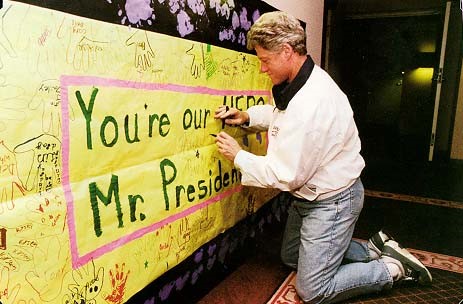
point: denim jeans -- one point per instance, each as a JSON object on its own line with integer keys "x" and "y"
{"x": 318, "y": 243}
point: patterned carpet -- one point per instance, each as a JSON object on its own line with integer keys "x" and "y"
{"x": 447, "y": 287}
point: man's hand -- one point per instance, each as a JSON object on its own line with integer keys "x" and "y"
{"x": 227, "y": 145}
{"x": 231, "y": 116}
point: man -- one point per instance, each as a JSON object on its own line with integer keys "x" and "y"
{"x": 313, "y": 153}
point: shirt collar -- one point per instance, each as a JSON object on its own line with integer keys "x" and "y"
{"x": 284, "y": 92}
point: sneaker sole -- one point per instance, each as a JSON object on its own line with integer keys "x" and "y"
{"x": 424, "y": 278}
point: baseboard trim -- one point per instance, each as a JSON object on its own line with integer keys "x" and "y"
{"x": 414, "y": 199}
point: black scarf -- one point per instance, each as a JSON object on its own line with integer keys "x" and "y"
{"x": 284, "y": 92}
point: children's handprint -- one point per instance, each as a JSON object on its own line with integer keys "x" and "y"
{"x": 206, "y": 220}
{"x": 36, "y": 40}
{"x": 88, "y": 53}
{"x": 7, "y": 293}
{"x": 10, "y": 184}
{"x": 164, "y": 239}
{"x": 5, "y": 43}
{"x": 144, "y": 54}
{"x": 118, "y": 281}
{"x": 12, "y": 103}
{"x": 236, "y": 67}
{"x": 198, "y": 65}
{"x": 48, "y": 95}
{"x": 74, "y": 298}
{"x": 89, "y": 282}
{"x": 47, "y": 210}
{"x": 83, "y": 50}
{"x": 251, "y": 204}
{"x": 44, "y": 172}
{"x": 50, "y": 266}
{"x": 184, "y": 232}
{"x": 183, "y": 237}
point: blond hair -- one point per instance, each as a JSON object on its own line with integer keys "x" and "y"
{"x": 274, "y": 29}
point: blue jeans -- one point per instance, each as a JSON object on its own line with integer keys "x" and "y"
{"x": 318, "y": 243}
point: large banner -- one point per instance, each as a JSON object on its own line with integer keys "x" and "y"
{"x": 109, "y": 171}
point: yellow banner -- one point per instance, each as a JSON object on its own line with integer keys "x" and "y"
{"x": 109, "y": 170}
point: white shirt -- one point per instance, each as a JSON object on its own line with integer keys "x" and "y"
{"x": 313, "y": 146}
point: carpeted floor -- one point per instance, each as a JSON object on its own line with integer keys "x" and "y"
{"x": 447, "y": 287}
{"x": 419, "y": 222}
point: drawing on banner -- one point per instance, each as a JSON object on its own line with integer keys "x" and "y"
{"x": 110, "y": 175}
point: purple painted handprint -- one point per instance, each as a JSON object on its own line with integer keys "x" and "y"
{"x": 138, "y": 11}
{"x": 184, "y": 26}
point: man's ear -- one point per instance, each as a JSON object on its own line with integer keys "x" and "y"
{"x": 287, "y": 50}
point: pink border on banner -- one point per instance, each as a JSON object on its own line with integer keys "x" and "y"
{"x": 67, "y": 80}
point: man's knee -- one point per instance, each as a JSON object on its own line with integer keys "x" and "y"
{"x": 288, "y": 259}
{"x": 319, "y": 299}
{"x": 310, "y": 294}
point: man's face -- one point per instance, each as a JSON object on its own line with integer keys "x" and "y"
{"x": 274, "y": 64}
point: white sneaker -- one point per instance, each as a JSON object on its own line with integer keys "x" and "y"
{"x": 411, "y": 267}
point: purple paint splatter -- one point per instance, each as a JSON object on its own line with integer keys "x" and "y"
{"x": 211, "y": 262}
{"x": 227, "y": 34}
{"x": 245, "y": 141}
{"x": 259, "y": 137}
{"x": 197, "y": 6}
{"x": 235, "y": 21}
{"x": 211, "y": 249}
{"x": 242, "y": 38}
{"x": 225, "y": 245}
{"x": 196, "y": 274}
{"x": 245, "y": 23}
{"x": 184, "y": 26}
{"x": 138, "y": 10}
{"x": 175, "y": 6}
{"x": 198, "y": 256}
{"x": 181, "y": 281}
{"x": 255, "y": 15}
{"x": 164, "y": 293}
{"x": 149, "y": 301}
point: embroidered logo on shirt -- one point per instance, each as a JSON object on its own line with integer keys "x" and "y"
{"x": 275, "y": 131}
